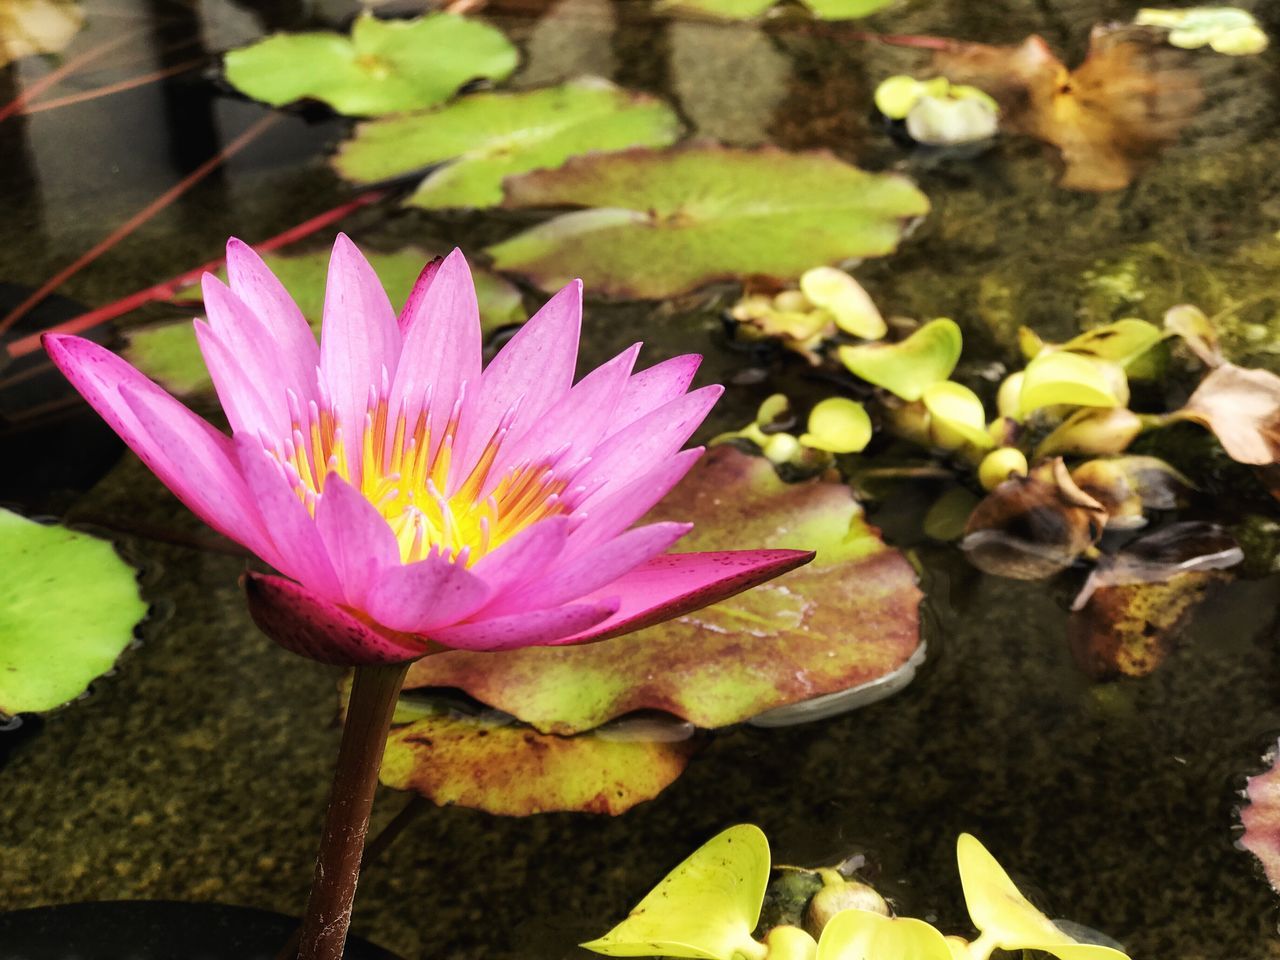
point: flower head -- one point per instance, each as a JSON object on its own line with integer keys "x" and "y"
{"x": 407, "y": 495}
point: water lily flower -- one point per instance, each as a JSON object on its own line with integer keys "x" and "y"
{"x": 409, "y": 497}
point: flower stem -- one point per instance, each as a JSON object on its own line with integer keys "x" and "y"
{"x": 369, "y": 712}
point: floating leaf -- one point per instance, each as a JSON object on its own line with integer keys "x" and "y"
{"x": 509, "y": 769}
{"x": 863, "y": 934}
{"x": 168, "y": 352}
{"x": 957, "y": 416}
{"x": 843, "y": 297}
{"x": 665, "y": 222}
{"x": 1107, "y": 117}
{"x": 1196, "y": 330}
{"x": 1121, "y": 342}
{"x": 848, "y": 618}
{"x": 838, "y": 425}
{"x": 750, "y": 9}
{"x": 1034, "y": 526}
{"x": 1092, "y": 431}
{"x": 477, "y": 141}
{"x": 907, "y": 367}
{"x": 1242, "y": 408}
{"x": 1228, "y": 30}
{"x": 386, "y": 66}
{"x": 68, "y": 606}
{"x": 32, "y": 27}
{"x": 706, "y": 908}
{"x": 1005, "y": 917}
{"x": 1055, "y": 377}
{"x": 1261, "y": 818}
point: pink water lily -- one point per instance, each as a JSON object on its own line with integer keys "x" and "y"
{"x": 407, "y": 495}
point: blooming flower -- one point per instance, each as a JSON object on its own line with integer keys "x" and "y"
{"x": 409, "y": 497}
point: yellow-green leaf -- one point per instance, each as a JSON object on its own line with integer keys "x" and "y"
{"x": 1056, "y": 377}
{"x": 838, "y": 425}
{"x": 864, "y": 935}
{"x": 909, "y": 366}
{"x": 958, "y": 415}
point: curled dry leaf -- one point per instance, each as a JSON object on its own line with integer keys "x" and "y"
{"x": 1034, "y": 526}
{"x": 1261, "y": 818}
{"x": 1129, "y": 99}
{"x": 1242, "y": 408}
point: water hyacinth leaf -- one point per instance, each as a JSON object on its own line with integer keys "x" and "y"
{"x": 1126, "y": 486}
{"x": 1056, "y": 377}
{"x": 1228, "y": 30}
{"x": 1242, "y": 408}
{"x": 508, "y": 769}
{"x": 908, "y": 367}
{"x": 68, "y": 606}
{"x": 1092, "y": 431}
{"x": 1261, "y": 818}
{"x": 843, "y": 297}
{"x": 1005, "y": 917}
{"x": 848, "y": 618}
{"x": 1121, "y": 342}
{"x": 957, "y": 415}
{"x": 860, "y": 934}
{"x": 660, "y": 223}
{"x": 750, "y": 9}
{"x": 838, "y": 425}
{"x": 168, "y": 352}
{"x": 385, "y": 66}
{"x": 706, "y": 908}
{"x": 477, "y": 141}
{"x": 1197, "y": 331}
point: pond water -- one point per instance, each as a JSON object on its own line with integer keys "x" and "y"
{"x": 199, "y": 768}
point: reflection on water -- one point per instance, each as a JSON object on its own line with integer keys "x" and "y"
{"x": 199, "y": 770}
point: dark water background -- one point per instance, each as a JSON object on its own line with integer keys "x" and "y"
{"x": 199, "y": 768}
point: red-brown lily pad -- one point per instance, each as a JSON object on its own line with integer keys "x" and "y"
{"x": 1261, "y": 818}
{"x": 849, "y": 618}
{"x": 510, "y": 769}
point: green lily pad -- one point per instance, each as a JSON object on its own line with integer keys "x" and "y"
{"x": 846, "y": 619}
{"x": 661, "y": 223}
{"x": 750, "y": 9}
{"x": 67, "y": 611}
{"x": 706, "y": 908}
{"x": 509, "y": 769}
{"x": 907, "y": 368}
{"x": 481, "y": 139}
{"x": 385, "y": 66}
{"x": 169, "y": 354}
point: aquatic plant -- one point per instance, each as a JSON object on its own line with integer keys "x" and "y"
{"x": 68, "y": 608}
{"x": 750, "y": 9}
{"x": 936, "y": 112}
{"x": 1228, "y": 30}
{"x": 29, "y": 27}
{"x": 709, "y": 908}
{"x": 412, "y": 501}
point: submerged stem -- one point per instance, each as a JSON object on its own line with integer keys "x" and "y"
{"x": 369, "y": 712}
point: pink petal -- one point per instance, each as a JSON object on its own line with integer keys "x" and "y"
{"x": 220, "y": 499}
{"x": 529, "y": 553}
{"x": 420, "y": 288}
{"x": 241, "y": 401}
{"x": 418, "y": 596}
{"x": 305, "y": 624}
{"x": 297, "y": 539}
{"x": 610, "y": 515}
{"x": 536, "y": 628}
{"x": 356, "y": 537}
{"x": 534, "y": 369}
{"x": 651, "y": 388}
{"x": 298, "y": 353}
{"x": 579, "y": 420}
{"x": 441, "y": 346}
{"x": 591, "y": 570}
{"x": 678, "y": 583}
{"x": 359, "y": 338}
{"x": 636, "y": 449}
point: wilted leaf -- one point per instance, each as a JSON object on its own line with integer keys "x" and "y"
{"x": 1128, "y": 486}
{"x": 1261, "y": 818}
{"x": 706, "y": 908}
{"x": 68, "y": 606}
{"x": 1189, "y": 546}
{"x": 1127, "y": 101}
{"x": 664, "y": 222}
{"x": 386, "y": 66}
{"x": 749, "y": 9}
{"x": 1242, "y": 408}
{"x": 1129, "y": 629}
{"x": 848, "y": 618}
{"x": 477, "y": 141}
{"x": 1034, "y": 526}
{"x": 908, "y": 367}
{"x": 168, "y": 352}
{"x": 31, "y": 27}
{"x": 509, "y": 769}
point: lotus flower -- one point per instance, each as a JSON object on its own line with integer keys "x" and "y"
{"x": 410, "y": 498}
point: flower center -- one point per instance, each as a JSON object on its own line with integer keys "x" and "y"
{"x": 405, "y": 473}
